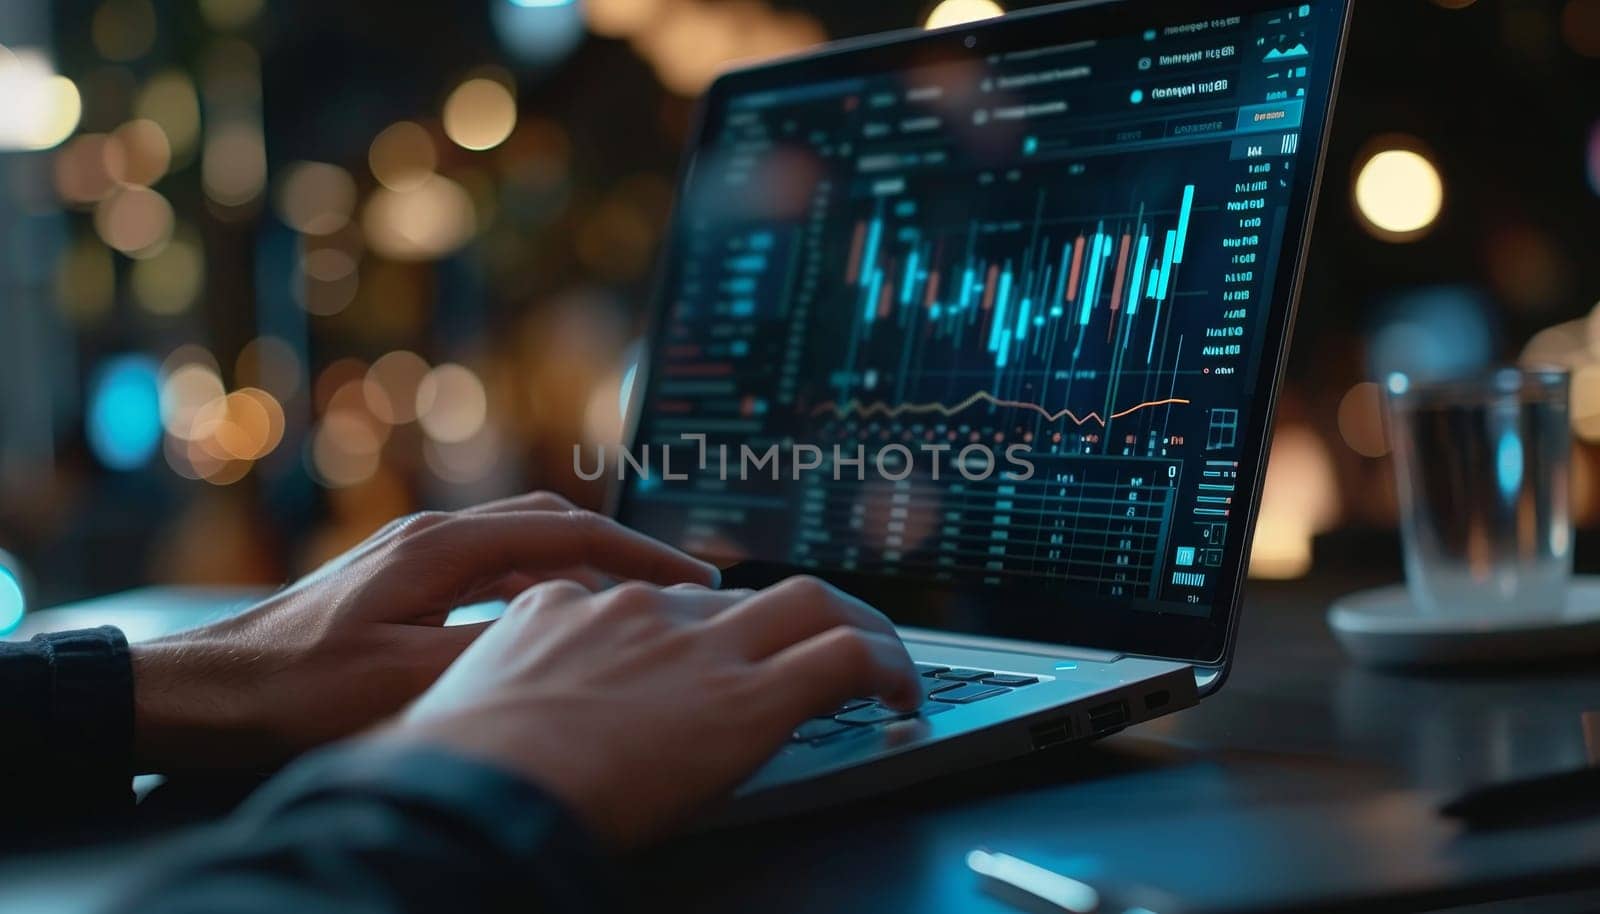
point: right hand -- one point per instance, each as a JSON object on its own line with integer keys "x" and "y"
{"x": 640, "y": 704}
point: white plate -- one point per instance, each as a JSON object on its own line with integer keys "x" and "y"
{"x": 1383, "y": 628}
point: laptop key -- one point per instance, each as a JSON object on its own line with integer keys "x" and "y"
{"x": 932, "y": 686}
{"x": 852, "y": 704}
{"x": 1007, "y": 679}
{"x": 969, "y": 693}
{"x": 818, "y": 728}
{"x": 875, "y": 714}
{"x": 930, "y": 669}
{"x": 960, "y": 674}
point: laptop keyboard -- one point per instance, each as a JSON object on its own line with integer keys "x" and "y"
{"x": 943, "y": 688}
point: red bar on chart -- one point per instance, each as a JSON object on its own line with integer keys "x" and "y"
{"x": 853, "y": 271}
{"x": 1122, "y": 270}
{"x": 1077, "y": 269}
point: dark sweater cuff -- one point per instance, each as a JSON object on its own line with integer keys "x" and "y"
{"x": 536, "y": 838}
{"x": 90, "y": 725}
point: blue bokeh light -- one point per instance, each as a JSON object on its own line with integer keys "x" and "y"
{"x": 538, "y": 32}
{"x": 12, "y": 602}
{"x": 1433, "y": 333}
{"x": 124, "y": 417}
{"x": 1509, "y": 463}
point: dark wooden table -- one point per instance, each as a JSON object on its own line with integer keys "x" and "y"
{"x": 1307, "y": 784}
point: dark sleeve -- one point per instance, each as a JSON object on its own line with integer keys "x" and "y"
{"x": 66, "y": 715}
{"x": 378, "y": 829}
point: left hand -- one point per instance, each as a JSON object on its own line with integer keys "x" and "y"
{"x": 355, "y": 640}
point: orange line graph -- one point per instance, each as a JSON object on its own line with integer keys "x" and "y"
{"x": 881, "y": 408}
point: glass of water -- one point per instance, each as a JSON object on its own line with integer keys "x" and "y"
{"x": 1482, "y": 468}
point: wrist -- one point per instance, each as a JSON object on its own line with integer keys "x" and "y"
{"x": 187, "y": 714}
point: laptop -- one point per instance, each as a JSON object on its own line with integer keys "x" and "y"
{"x": 986, "y": 325}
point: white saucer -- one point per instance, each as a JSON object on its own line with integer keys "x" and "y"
{"x": 1383, "y": 628}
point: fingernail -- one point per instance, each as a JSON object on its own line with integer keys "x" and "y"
{"x": 716, "y": 576}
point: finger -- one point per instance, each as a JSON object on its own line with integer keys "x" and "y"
{"x": 528, "y": 501}
{"x": 430, "y": 650}
{"x": 471, "y": 548}
{"x": 792, "y": 611}
{"x": 686, "y": 602}
{"x": 508, "y": 586}
{"x": 818, "y": 674}
{"x": 544, "y": 595}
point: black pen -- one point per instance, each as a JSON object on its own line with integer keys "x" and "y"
{"x": 1568, "y": 793}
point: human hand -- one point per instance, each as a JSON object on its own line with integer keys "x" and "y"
{"x": 357, "y": 639}
{"x": 640, "y": 704}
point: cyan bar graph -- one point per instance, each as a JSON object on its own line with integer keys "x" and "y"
{"x": 1183, "y": 222}
{"x": 1167, "y": 260}
{"x": 909, "y": 285}
{"x": 1007, "y": 303}
{"x": 1138, "y": 272}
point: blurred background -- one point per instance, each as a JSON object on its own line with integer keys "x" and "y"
{"x": 275, "y": 271}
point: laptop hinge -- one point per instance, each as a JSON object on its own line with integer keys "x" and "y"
{"x": 932, "y": 636}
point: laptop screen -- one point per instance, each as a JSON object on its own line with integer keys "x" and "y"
{"x": 991, "y": 308}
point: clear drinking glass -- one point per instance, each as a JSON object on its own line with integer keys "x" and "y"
{"x": 1482, "y": 467}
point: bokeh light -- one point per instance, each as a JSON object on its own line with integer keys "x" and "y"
{"x": 170, "y": 100}
{"x": 186, "y": 390}
{"x": 329, "y": 281}
{"x": 391, "y": 386}
{"x": 1299, "y": 500}
{"x": 621, "y": 18}
{"x": 123, "y": 422}
{"x": 464, "y": 462}
{"x": 1432, "y": 333}
{"x": 134, "y": 220}
{"x": 247, "y": 424}
{"x": 169, "y": 282}
{"x": 233, "y": 168}
{"x": 603, "y": 415}
{"x": 451, "y": 403}
{"x": 1361, "y": 421}
{"x": 1586, "y": 402}
{"x": 425, "y": 222}
{"x": 480, "y": 114}
{"x": 13, "y": 604}
{"x": 86, "y": 281}
{"x": 402, "y": 156}
{"x": 138, "y": 152}
{"x": 316, "y": 198}
{"x": 960, "y": 12}
{"x": 225, "y": 15}
{"x": 81, "y": 175}
{"x": 537, "y": 32}
{"x": 336, "y": 377}
{"x": 123, "y": 30}
{"x": 1398, "y": 194}
{"x": 40, "y": 109}
{"x": 270, "y": 363}
{"x": 345, "y": 449}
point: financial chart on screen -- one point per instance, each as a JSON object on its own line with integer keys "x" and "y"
{"x": 1061, "y": 256}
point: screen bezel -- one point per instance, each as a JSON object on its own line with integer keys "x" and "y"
{"x": 1010, "y": 611}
